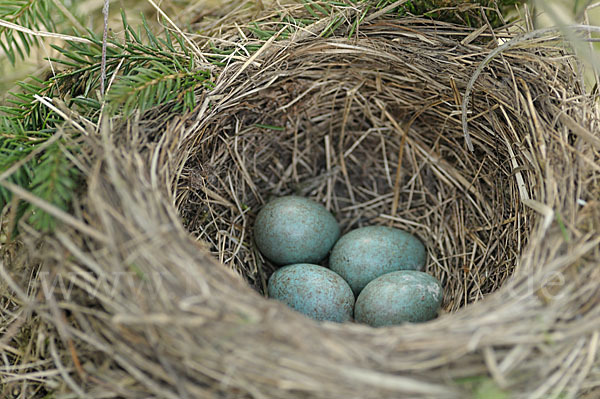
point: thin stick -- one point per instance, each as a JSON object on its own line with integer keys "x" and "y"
{"x": 104, "y": 39}
{"x": 40, "y": 33}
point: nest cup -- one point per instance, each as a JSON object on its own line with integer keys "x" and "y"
{"x": 371, "y": 128}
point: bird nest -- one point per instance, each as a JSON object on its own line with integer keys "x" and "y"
{"x": 168, "y": 287}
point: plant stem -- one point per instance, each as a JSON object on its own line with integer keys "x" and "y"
{"x": 104, "y": 39}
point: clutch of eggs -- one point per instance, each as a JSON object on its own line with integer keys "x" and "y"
{"x": 379, "y": 266}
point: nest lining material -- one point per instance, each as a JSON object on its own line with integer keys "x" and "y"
{"x": 338, "y": 115}
{"x": 511, "y": 229}
{"x": 333, "y": 126}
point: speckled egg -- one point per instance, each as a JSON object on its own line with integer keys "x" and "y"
{"x": 399, "y": 297}
{"x": 369, "y": 252}
{"x": 295, "y": 230}
{"x": 314, "y": 291}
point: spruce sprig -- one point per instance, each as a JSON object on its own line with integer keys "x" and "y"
{"x": 26, "y": 125}
{"x": 152, "y": 70}
{"x": 55, "y": 180}
{"x": 31, "y": 14}
{"x": 163, "y": 72}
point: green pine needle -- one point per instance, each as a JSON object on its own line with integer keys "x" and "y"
{"x": 55, "y": 181}
{"x": 30, "y": 14}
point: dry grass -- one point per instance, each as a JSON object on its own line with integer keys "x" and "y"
{"x": 371, "y": 127}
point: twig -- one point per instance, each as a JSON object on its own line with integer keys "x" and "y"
{"x": 104, "y": 39}
{"x": 70, "y": 38}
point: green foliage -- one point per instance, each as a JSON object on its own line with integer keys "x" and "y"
{"x": 161, "y": 71}
{"x": 482, "y": 387}
{"x": 153, "y": 71}
{"x": 31, "y": 14}
{"x": 148, "y": 71}
{"x": 50, "y": 176}
{"x": 469, "y": 12}
{"x": 54, "y": 180}
{"x": 28, "y": 13}
{"x": 25, "y": 123}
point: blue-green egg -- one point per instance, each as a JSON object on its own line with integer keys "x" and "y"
{"x": 399, "y": 297}
{"x": 314, "y": 291}
{"x": 369, "y": 252}
{"x": 295, "y": 229}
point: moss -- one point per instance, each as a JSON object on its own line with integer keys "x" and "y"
{"x": 464, "y": 12}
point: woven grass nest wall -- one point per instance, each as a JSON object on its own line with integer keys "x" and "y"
{"x": 371, "y": 128}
